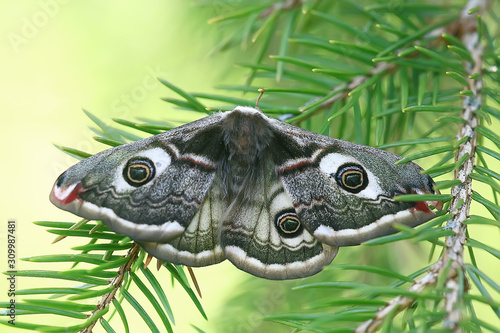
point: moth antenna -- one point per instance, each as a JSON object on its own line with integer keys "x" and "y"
{"x": 195, "y": 282}
{"x": 148, "y": 260}
{"x": 158, "y": 264}
{"x": 261, "y": 90}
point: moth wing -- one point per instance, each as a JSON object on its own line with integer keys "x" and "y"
{"x": 184, "y": 162}
{"x": 313, "y": 169}
{"x": 252, "y": 240}
{"x": 198, "y": 245}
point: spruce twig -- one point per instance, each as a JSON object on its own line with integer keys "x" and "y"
{"x": 342, "y": 91}
{"x": 278, "y": 6}
{"x": 116, "y": 283}
{"x": 382, "y": 68}
{"x": 452, "y": 256}
{"x": 462, "y": 194}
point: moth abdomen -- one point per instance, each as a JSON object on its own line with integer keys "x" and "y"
{"x": 239, "y": 180}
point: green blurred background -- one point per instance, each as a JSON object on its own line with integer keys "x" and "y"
{"x": 61, "y": 56}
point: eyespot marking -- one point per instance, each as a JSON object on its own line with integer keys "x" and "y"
{"x": 138, "y": 171}
{"x": 351, "y": 177}
{"x": 288, "y": 224}
{"x": 332, "y": 164}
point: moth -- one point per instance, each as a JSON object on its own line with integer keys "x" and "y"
{"x": 274, "y": 199}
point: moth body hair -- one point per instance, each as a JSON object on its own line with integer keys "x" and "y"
{"x": 246, "y": 137}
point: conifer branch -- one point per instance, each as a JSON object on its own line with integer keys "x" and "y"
{"x": 116, "y": 283}
{"x": 400, "y": 303}
{"x": 284, "y": 5}
{"x": 342, "y": 91}
{"x": 462, "y": 194}
{"x": 451, "y": 261}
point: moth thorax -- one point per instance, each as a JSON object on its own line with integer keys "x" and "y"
{"x": 246, "y": 136}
